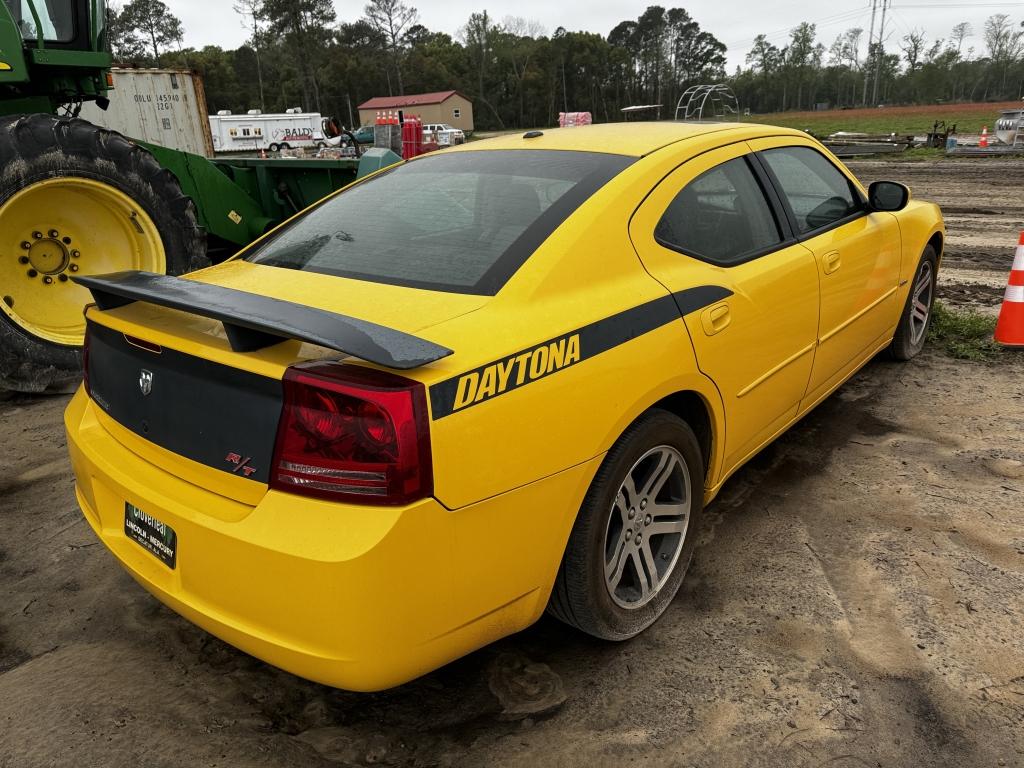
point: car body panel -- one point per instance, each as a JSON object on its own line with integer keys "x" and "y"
{"x": 858, "y": 265}
{"x": 598, "y": 325}
{"x": 772, "y": 315}
{"x": 637, "y": 139}
{"x": 392, "y": 593}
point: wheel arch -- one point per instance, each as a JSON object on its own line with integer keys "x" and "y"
{"x": 936, "y": 241}
{"x": 695, "y": 400}
{"x": 695, "y": 411}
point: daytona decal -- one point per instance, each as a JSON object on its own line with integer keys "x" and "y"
{"x": 548, "y": 357}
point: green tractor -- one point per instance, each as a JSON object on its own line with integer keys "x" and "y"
{"x": 77, "y": 198}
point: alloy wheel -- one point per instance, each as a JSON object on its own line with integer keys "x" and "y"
{"x": 647, "y": 525}
{"x": 921, "y": 303}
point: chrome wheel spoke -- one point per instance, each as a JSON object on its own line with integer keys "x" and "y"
{"x": 614, "y": 568}
{"x": 667, "y": 462}
{"x": 646, "y": 572}
{"x": 920, "y": 311}
{"x": 663, "y": 527}
{"x": 628, "y": 490}
{"x": 622, "y": 505}
{"x": 670, "y": 509}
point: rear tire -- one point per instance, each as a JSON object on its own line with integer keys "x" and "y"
{"x": 912, "y": 331}
{"x": 39, "y": 153}
{"x": 635, "y": 533}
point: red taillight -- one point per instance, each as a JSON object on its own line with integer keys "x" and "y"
{"x": 349, "y": 433}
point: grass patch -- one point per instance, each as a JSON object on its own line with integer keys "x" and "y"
{"x": 964, "y": 335}
{"x": 917, "y": 120}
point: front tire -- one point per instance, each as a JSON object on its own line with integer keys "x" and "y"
{"x": 635, "y": 533}
{"x": 916, "y": 319}
{"x": 76, "y": 199}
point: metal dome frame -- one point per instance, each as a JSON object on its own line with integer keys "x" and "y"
{"x": 707, "y": 102}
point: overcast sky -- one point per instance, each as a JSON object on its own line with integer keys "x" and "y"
{"x": 734, "y": 23}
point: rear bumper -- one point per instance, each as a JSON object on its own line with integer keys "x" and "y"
{"x": 356, "y": 597}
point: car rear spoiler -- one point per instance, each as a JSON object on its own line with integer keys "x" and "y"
{"x": 253, "y": 322}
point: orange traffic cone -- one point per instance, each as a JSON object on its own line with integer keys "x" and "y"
{"x": 983, "y": 141}
{"x": 1010, "y": 327}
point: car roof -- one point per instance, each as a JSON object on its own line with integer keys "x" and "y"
{"x": 634, "y": 138}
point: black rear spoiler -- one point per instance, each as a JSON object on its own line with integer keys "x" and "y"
{"x": 253, "y": 322}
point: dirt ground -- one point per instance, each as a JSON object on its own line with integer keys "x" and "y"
{"x": 983, "y": 204}
{"x": 856, "y": 600}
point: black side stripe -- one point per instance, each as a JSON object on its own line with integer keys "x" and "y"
{"x": 547, "y": 357}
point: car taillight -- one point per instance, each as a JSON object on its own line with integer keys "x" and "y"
{"x": 349, "y": 433}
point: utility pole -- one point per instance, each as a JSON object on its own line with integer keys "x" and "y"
{"x": 878, "y": 54}
{"x": 871, "y": 35}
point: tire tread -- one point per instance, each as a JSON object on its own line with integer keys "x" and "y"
{"x": 38, "y": 147}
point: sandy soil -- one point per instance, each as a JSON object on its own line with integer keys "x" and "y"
{"x": 856, "y": 600}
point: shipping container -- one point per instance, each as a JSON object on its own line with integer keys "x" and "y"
{"x": 160, "y": 106}
{"x": 254, "y": 131}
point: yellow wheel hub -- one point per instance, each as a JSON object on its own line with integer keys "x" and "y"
{"x": 54, "y": 229}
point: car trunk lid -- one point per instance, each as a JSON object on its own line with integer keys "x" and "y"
{"x": 173, "y": 389}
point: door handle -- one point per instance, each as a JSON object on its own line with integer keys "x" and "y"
{"x": 831, "y": 262}
{"x": 715, "y": 319}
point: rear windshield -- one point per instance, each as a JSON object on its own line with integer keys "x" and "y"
{"x": 462, "y": 222}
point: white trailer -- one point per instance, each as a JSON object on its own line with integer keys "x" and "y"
{"x": 166, "y": 107}
{"x": 256, "y": 131}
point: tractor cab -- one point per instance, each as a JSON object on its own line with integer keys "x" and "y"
{"x": 59, "y": 23}
{"x": 52, "y": 53}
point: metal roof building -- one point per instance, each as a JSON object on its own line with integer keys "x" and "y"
{"x": 449, "y": 107}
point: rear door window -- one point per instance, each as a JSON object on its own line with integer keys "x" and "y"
{"x": 722, "y": 216}
{"x": 818, "y": 192}
{"x": 461, "y": 222}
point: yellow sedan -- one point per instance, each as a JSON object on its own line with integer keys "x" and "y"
{"x": 493, "y": 381}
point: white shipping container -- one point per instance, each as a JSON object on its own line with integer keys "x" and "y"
{"x": 255, "y": 131}
{"x": 166, "y": 107}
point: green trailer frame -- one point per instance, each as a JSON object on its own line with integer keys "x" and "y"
{"x": 239, "y": 199}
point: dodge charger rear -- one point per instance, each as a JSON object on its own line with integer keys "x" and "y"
{"x": 480, "y": 384}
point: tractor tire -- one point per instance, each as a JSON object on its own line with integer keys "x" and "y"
{"x": 76, "y": 199}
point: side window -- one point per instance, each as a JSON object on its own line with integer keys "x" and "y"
{"x": 456, "y": 113}
{"x": 817, "y": 191}
{"x": 721, "y": 216}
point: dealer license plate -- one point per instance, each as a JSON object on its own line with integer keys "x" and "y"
{"x": 155, "y": 537}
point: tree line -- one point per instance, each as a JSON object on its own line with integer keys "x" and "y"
{"x": 963, "y": 66}
{"x": 518, "y": 75}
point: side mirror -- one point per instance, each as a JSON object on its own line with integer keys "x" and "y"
{"x": 888, "y": 196}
